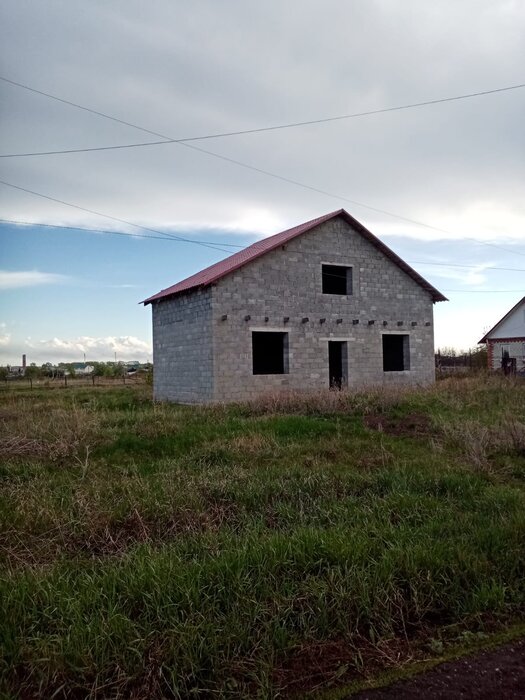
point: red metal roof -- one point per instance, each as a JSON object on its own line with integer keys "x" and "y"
{"x": 215, "y": 272}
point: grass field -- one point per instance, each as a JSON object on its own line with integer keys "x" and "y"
{"x": 284, "y": 547}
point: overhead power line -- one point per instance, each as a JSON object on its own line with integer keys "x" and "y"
{"x": 485, "y": 291}
{"x": 468, "y": 267}
{"x": 253, "y": 168}
{"x": 242, "y": 132}
{"x": 232, "y": 245}
{"x": 167, "y": 237}
{"x": 213, "y": 246}
{"x": 89, "y": 150}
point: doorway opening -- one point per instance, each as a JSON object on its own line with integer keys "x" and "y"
{"x": 337, "y": 363}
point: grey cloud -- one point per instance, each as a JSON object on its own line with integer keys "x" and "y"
{"x": 187, "y": 69}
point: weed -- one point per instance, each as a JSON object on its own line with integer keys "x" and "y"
{"x": 260, "y": 549}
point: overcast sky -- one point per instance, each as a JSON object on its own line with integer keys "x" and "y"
{"x": 189, "y": 69}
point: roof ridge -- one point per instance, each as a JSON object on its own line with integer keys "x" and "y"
{"x": 220, "y": 269}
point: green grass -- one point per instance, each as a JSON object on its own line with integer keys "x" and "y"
{"x": 174, "y": 551}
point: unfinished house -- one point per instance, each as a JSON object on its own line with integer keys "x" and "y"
{"x": 324, "y": 304}
{"x": 506, "y": 341}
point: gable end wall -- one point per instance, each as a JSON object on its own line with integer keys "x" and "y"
{"x": 287, "y": 283}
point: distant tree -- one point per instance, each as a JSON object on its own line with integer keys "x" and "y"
{"x": 4, "y": 373}
{"x": 120, "y": 371}
{"x": 447, "y": 352}
{"x": 32, "y": 372}
{"x": 68, "y": 371}
{"x": 479, "y": 357}
{"x": 100, "y": 369}
{"x": 47, "y": 370}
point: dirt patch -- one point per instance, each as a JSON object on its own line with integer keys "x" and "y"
{"x": 111, "y": 538}
{"x": 411, "y": 425}
{"x": 484, "y": 676}
{"x": 327, "y": 664}
{"x": 314, "y": 666}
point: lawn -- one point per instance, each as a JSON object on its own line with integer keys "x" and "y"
{"x": 272, "y": 549}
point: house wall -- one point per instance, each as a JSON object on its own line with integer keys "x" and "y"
{"x": 182, "y": 348}
{"x": 511, "y": 327}
{"x": 287, "y": 283}
{"x": 515, "y": 347}
{"x": 509, "y": 334}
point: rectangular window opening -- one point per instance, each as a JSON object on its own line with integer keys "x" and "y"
{"x": 337, "y": 279}
{"x": 270, "y": 352}
{"x": 396, "y": 353}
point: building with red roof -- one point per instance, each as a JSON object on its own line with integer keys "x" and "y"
{"x": 323, "y": 304}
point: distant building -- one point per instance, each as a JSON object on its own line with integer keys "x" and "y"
{"x": 82, "y": 368}
{"x": 506, "y": 340}
{"x": 324, "y": 304}
{"x": 18, "y": 370}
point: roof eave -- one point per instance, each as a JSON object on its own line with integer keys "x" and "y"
{"x": 405, "y": 267}
{"x": 162, "y": 295}
{"x": 374, "y": 240}
{"x": 503, "y": 318}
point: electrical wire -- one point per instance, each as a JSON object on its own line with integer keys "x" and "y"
{"x": 256, "y": 169}
{"x": 243, "y": 132}
{"x": 115, "y": 218}
{"x": 468, "y": 267}
{"x": 485, "y": 291}
{"x": 117, "y": 233}
{"x": 232, "y": 245}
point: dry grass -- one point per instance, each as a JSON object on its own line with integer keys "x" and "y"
{"x": 46, "y": 431}
{"x": 327, "y": 401}
{"x": 479, "y": 444}
{"x": 230, "y": 551}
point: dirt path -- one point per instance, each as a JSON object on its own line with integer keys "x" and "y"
{"x": 490, "y": 675}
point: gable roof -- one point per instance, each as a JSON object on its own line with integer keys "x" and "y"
{"x": 504, "y": 318}
{"x": 215, "y": 272}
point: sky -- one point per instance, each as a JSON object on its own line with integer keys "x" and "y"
{"x": 186, "y": 70}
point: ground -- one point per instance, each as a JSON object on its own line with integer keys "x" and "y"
{"x": 485, "y": 676}
{"x": 305, "y": 545}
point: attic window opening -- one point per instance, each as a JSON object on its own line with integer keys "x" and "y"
{"x": 337, "y": 279}
{"x": 396, "y": 353}
{"x": 270, "y": 352}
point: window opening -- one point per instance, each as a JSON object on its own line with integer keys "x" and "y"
{"x": 396, "y": 353}
{"x": 337, "y": 279}
{"x": 270, "y": 352}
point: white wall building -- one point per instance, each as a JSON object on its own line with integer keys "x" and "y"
{"x": 507, "y": 336}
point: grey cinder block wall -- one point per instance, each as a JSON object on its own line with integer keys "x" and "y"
{"x": 183, "y": 348}
{"x": 202, "y": 338}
